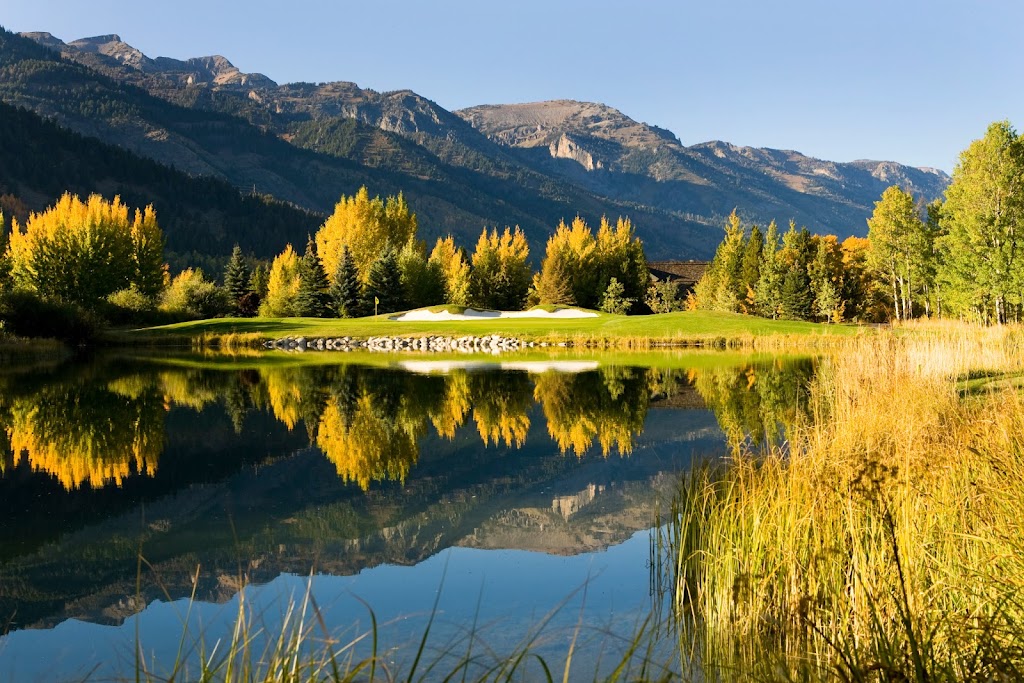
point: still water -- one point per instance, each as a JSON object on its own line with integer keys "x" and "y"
{"x": 502, "y": 504}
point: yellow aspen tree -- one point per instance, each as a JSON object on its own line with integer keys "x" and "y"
{"x": 82, "y": 252}
{"x": 501, "y": 272}
{"x": 367, "y": 227}
{"x": 451, "y": 261}
{"x": 283, "y": 286}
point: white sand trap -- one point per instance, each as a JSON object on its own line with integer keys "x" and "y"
{"x": 423, "y": 315}
{"x": 443, "y": 367}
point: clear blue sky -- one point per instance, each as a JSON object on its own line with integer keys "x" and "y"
{"x": 909, "y": 80}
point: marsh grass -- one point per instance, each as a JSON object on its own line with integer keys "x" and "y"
{"x": 883, "y": 540}
{"x": 298, "y": 646}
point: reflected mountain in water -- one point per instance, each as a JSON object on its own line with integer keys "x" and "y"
{"x": 251, "y": 473}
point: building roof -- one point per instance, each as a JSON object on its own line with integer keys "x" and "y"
{"x": 685, "y": 272}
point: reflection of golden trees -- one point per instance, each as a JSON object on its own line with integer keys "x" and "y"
{"x": 81, "y": 433}
{"x": 454, "y": 407}
{"x": 607, "y": 406}
{"x": 501, "y": 405}
{"x": 757, "y": 402}
{"x": 364, "y": 443}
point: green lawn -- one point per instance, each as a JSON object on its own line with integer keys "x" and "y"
{"x": 688, "y": 326}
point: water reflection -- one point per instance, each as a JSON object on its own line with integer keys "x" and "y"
{"x": 254, "y": 471}
{"x": 98, "y": 427}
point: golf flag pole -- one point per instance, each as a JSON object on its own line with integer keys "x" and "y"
{"x": 376, "y": 302}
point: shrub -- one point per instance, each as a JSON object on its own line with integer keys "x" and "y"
{"x": 26, "y": 314}
{"x": 191, "y": 295}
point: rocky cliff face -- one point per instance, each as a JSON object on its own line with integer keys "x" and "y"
{"x": 648, "y": 164}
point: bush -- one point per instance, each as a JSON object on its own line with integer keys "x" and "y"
{"x": 26, "y": 314}
{"x": 190, "y": 295}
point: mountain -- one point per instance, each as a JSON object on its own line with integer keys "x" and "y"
{"x": 527, "y": 164}
{"x": 39, "y": 161}
{"x": 601, "y": 148}
{"x": 202, "y": 117}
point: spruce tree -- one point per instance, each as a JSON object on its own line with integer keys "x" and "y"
{"x": 259, "y": 282}
{"x": 312, "y": 299}
{"x": 236, "y": 277}
{"x": 383, "y": 291}
{"x": 750, "y": 270}
{"x": 346, "y": 290}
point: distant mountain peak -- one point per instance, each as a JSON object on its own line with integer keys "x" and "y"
{"x": 213, "y": 69}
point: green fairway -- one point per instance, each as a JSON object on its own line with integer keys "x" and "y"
{"x": 679, "y": 328}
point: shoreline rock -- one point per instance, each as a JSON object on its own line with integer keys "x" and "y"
{"x": 491, "y": 343}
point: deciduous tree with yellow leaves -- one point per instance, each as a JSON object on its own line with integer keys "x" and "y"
{"x": 501, "y": 272}
{"x": 82, "y": 251}
{"x": 283, "y": 286}
{"x": 367, "y": 227}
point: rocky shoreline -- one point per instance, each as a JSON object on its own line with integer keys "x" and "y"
{"x": 491, "y": 343}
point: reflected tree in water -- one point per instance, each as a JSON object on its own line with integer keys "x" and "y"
{"x": 501, "y": 407}
{"x": 756, "y": 403}
{"x": 84, "y": 433}
{"x": 608, "y": 406}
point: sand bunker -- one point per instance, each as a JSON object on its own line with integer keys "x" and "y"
{"x": 423, "y": 315}
{"x": 443, "y": 367}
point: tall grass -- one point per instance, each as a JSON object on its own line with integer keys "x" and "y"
{"x": 298, "y": 646}
{"x": 884, "y": 540}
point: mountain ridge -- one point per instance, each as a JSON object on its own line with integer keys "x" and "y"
{"x": 526, "y": 163}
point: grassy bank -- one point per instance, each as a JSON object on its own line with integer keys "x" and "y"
{"x": 885, "y": 540}
{"x": 617, "y": 331}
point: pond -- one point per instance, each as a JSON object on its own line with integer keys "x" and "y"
{"x": 491, "y": 506}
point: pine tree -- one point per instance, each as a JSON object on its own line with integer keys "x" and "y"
{"x": 237, "y": 276}
{"x": 750, "y": 270}
{"x": 383, "y": 290}
{"x": 768, "y": 290}
{"x": 422, "y": 282}
{"x": 346, "y": 291}
{"x": 796, "y": 298}
{"x": 312, "y": 300}
{"x": 717, "y": 289}
{"x": 260, "y": 280}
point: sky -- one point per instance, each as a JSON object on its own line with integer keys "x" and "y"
{"x": 912, "y": 81}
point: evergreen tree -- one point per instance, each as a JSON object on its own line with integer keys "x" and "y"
{"x": 312, "y": 300}
{"x": 750, "y": 270}
{"x": 383, "y": 289}
{"x": 346, "y": 291}
{"x": 614, "y": 299}
{"x": 796, "y": 298}
{"x": 237, "y": 276}
{"x": 768, "y": 291}
{"x": 717, "y": 289}
{"x": 260, "y": 280}
{"x": 422, "y": 281}
{"x": 826, "y": 273}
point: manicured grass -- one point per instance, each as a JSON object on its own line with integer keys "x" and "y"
{"x": 684, "y": 327}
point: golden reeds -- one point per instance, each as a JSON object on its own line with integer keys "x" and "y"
{"x": 884, "y": 540}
